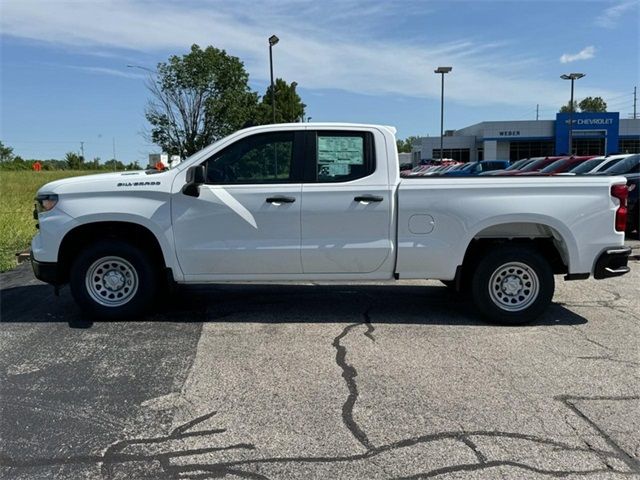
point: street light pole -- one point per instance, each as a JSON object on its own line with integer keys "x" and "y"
{"x": 272, "y": 41}
{"x": 573, "y": 77}
{"x": 442, "y": 71}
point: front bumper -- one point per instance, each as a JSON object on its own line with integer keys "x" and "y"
{"x": 46, "y": 271}
{"x": 612, "y": 263}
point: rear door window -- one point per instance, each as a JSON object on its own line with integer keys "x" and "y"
{"x": 339, "y": 156}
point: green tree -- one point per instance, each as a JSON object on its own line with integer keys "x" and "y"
{"x": 134, "y": 166}
{"x": 114, "y": 164}
{"x": 566, "y": 108}
{"x": 289, "y": 106}
{"x": 593, "y": 104}
{"x": 406, "y": 145}
{"x": 74, "y": 161}
{"x": 6, "y": 153}
{"x": 198, "y": 98}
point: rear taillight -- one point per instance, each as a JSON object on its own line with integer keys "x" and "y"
{"x": 621, "y": 192}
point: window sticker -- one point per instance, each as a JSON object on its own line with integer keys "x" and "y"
{"x": 340, "y": 150}
{"x": 334, "y": 170}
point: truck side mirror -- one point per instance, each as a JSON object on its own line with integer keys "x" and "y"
{"x": 195, "y": 178}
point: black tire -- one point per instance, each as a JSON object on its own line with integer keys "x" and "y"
{"x": 512, "y": 285}
{"x": 102, "y": 296}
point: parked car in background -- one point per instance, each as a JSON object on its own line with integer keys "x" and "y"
{"x": 475, "y": 168}
{"x": 416, "y": 170}
{"x": 633, "y": 205}
{"x": 533, "y": 167}
{"x": 597, "y": 164}
{"x": 629, "y": 167}
{"x": 631, "y": 164}
{"x": 563, "y": 165}
{"x": 406, "y": 166}
{"x": 439, "y": 169}
{"x": 517, "y": 165}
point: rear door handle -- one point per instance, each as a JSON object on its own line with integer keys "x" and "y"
{"x": 368, "y": 198}
{"x": 281, "y": 199}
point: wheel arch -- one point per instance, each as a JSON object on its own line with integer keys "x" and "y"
{"x": 131, "y": 232}
{"x": 554, "y": 241}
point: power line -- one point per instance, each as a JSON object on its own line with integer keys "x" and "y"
{"x": 617, "y": 97}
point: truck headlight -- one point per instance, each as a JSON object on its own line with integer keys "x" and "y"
{"x": 46, "y": 202}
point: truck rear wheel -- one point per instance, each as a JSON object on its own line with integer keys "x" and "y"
{"x": 512, "y": 285}
{"x": 113, "y": 279}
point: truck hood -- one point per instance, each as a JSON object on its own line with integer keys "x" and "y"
{"x": 105, "y": 182}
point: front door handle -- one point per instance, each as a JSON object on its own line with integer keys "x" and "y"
{"x": 368, "y": 198}
{"x": 281, "y": 199}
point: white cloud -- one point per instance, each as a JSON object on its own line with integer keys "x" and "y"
{"x": 108, "y": 71}
{"x": 584, "y": 54}
{"x": 610, "y": 16}
{"x": 334, "y": 44}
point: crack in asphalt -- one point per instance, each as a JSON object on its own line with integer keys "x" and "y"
{"x": 610, "y": 359}
{"x": 474, "y": 467}
{"x": 570, "y": 402}
{"x": 116, "y": 454}
{"x": 349, "y": 373}
{"x": 603, "y": 303}
{"x": 113, "y": 454}
{"x": 471, "y": 444}
{"x": 589, "y": 446}
{"x": 370, "y": 327}
{"x": 588, "y": 339}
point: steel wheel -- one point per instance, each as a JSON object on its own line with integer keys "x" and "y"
{"x": 111, "y": 281}
{"x": 514, "y": 286}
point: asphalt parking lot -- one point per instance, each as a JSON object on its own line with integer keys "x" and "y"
{"x": 320, "y": 381}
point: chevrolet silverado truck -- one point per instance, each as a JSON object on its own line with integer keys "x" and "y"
{"x": 300, "y": 202}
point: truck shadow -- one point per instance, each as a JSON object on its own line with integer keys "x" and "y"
{"x": 276, "y": 303}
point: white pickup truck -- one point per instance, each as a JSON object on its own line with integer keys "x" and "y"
{"x": 324, "y": 201}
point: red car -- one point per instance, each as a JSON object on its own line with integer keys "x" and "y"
{"x": 532, "y": 167}
{"x": 564, "y": 165}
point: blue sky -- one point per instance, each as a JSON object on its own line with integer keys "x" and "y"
{"x": 65, "y": 80}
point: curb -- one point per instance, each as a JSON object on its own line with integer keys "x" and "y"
{"x": 22, "y": 257}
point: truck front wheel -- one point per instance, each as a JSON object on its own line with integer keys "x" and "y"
{"x": 512, "y": 285}
{"x": 112, "y": 279}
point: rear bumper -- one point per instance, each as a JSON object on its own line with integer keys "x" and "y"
{"x": 612, "y": 263}
{"x": 45, "y": 271}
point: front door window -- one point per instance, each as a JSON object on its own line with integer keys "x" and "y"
{"x": 263, "y": 158}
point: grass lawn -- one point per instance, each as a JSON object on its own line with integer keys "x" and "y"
{"x": 17, "y": 226}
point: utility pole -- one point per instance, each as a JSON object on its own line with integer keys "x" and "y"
{"x": 272, "y": 41}
{"x": 635, "y": 98}
{"x": 442, "y": 71}
{"x": 82, "y": 150}
{"x": 573, "y": 77}
{"x": 537, "y": 111}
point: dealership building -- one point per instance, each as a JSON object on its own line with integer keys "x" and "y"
{"x": 593, "y": 134}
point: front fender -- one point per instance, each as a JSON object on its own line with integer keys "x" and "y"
{"x": 151, "y": 210}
